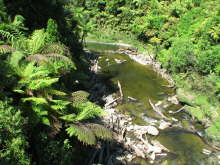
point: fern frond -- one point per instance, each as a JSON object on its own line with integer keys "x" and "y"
{"x": 100, "y": 131}
{"x": 83, "y": 133}
{"x": 69, "y": 118}
{"x": 6, "y": 49}
{"x": 59, "y": 104}
{"x": 55, "y": 48}
{"x": 9, "y": 36}
{"x": 42, "y": 83}
{"x": 28, "y": 70}
{"x": 55, "y": 56}
{"x": 35, "y": 100}
{"x": 39, "y": 72}
{"x": 15, "y": 58}
{"x": 87, "y": 110}
{"x": 44, "y": 58}
{"x": 80, "y": 96}
{"x": 55, "y": 92}
{"x": 36, "y": 41}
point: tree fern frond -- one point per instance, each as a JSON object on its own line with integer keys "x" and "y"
{"x": 6, "y": 49}
{"x": 42, "y": 83}
{"x": 15, "y": 58}
{"x": 9, "y": 36}
{"x": 83, "y": 133}
{"x": 44, "y": 58}
{"x": 39, "y": 72}
{"x": 35, "y": 100}
{"x": 100, "y": 131}
{"x": 59, "y": 104}
{"x": 60, "y": 57}
{"x": 69, "y": 118}
{"x": 80, "y": 96}
{"x": 36, "y": 41}
{"x": 55, "y": 92}
{"x": 55, "y": 48}
{"x": 38, "y": 58}
{"x": 87, "y": 110}
{"x": 28, "y": 70}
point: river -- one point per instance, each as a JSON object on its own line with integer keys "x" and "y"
{"x": 140, "y": 83}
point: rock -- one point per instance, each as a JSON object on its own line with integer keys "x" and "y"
{"x": 129, "y": 157}
{"x": 206, "y": 152}
{"x": 158, "y": 144}
{"x": 131, "y": 99}
{"x": 173, "y": 100}
{"x": 152, "y": 130}
{"x": 166, "y": 106}
{"x": 152, "y": 156}
{"x": 158, "y": 103}
{"x": 174, "y": 119}
{"x": 119, "y": 61}
{"x": 164, "y": 125}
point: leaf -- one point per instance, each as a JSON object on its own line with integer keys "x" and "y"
{"x": 19, "y": 91}
{"x": 45, "y": 121}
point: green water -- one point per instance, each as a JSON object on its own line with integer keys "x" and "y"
{"x": 142, "y": 83}
{"x": 137, "y": 81}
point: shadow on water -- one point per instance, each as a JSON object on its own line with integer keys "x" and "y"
{"x": 142, "y": 83}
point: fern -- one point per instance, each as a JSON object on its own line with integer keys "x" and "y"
{"x": 80, "y": 96}
{"x": 88, "y": 133}
{"x": 87, "y": 110}
{"x": 42, "y": 83}
{"x": 82, "y": 133}
{"x": 9, "y": 36}
{"x": 35, "y": 100}
{"x": 100, "y": 131}
{"x": 36, "y": 41}
{"x": 56, "y": 92}
{"x": 15, "y": 58}
{"x": 55, "y": 48}
{"x": 6, "y": 49}
{"x": 59, "y": 105}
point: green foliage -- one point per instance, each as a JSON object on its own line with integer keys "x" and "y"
{"x": 87, "y": 133}
{"x": 13, "y": 143}
{"x": 52, "y": 31}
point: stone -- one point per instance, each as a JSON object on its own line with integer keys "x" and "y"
{"x": 152, "y": 130}
{"x": 206, "y": 152}
{"x": 164, "y": 125}
{"x": 173, "y": 100}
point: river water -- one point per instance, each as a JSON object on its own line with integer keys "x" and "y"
{"x": 142, "y": 83}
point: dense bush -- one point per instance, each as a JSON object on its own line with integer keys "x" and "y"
{"x": 44, "y": 115}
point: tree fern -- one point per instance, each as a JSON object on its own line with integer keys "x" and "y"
{"x": 35, "y": 100}
{"x": 55, "y": 48}
{"x": 82, "y": 133}
{"x": 100, "y": 131}
{"x": 6, "y": 49}
{"x": 87, "y": 110}
{"x": 88, "y": 133}
{"x": 9, "y": 36}
{"x": 36, "y": 41}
